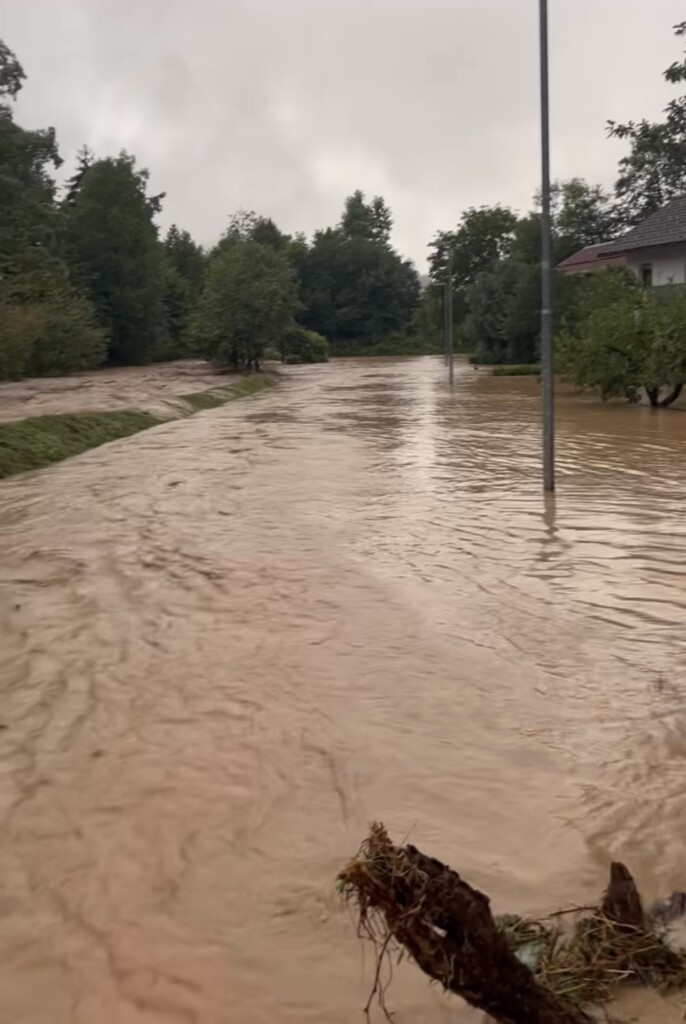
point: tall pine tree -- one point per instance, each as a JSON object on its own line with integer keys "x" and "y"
{"x": 114, "y": 253}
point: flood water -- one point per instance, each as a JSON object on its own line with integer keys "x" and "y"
{"x": 231, "y": 642}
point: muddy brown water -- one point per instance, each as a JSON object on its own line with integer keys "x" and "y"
{"x": 155, "y": 389}
{"x": 230, "y": 642}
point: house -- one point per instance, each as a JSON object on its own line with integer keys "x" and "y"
{"x": 655, "y": 250}
{"x": 590, "y": 259}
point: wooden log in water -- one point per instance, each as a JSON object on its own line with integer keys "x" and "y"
{"x": 448, "y": 929}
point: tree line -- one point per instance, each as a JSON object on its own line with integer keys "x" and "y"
{"x": 86, "y": 278}
{"x": 613, "y": 336}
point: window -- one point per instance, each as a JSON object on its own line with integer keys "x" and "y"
{"x": 647, "y": 275}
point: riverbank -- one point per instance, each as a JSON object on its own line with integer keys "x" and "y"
{"x": 38, "y": 441}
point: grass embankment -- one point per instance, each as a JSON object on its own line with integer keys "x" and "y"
{"x": 240, "y": 388}
{"x": 532, "y": 370}
{"x": 42, "y": 440}
{"x": 36, "y": 442}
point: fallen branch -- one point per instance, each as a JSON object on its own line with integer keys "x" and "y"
{"x": 517, "y": 971}
{"x": 448, "y": 929}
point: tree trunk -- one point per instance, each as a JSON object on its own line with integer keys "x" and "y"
{"x": 484, "y": 970}
{"x": 672, "y": 396}
{"x": 653, "y": 396}
{"x": 622, "y": 902}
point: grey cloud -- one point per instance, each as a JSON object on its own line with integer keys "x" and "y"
{"x": 286, "y": 106}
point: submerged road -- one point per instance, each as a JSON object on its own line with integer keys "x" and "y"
{"x": 230, "y": 642}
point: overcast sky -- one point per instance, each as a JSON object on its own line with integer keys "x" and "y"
{"x": 287, "y": 106}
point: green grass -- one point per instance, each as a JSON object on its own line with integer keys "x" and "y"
{"x": 532, "y": 370}
{"x": 41, "y": 440}
{"x": 393, "y": 345}
{"x": 240, "y": 388}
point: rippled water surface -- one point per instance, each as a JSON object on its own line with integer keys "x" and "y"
{"x": 230, "y": 642}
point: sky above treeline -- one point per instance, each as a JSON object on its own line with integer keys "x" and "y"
{"x": 287, "y": 106}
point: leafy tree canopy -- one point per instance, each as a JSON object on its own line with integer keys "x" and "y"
{"x": 482, "y": 238}
{"x": 355, "y": 289}
{"x": 12, "y": 75}
{"x": 654, "y": 171}
{"x": 248, "y": 304}
{"x": 27, "y": 210}
{"x": 625, "y": 340}
{"x": 583, "y": 215}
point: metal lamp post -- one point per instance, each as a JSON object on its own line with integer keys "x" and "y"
{"x": 547, "y": 379}
{"x": 449, "y": 322}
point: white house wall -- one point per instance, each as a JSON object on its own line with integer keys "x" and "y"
{"x": 669, "y": 265}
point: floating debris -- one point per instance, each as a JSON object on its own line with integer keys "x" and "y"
{"x": 547, "y": 971}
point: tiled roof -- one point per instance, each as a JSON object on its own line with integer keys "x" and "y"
{"x": 665, "y": 227}
{"x": 592, "y": 257}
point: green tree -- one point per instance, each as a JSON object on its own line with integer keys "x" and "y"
{"x": 483, "y": 237}
{"x": 248, "y": 226}
{"x": 356, "y": 289}
{"x": 266, "y": 232}
{"x": 186, "y": 257}
{"x": 183, "y": 274}
{"x": 28, "y": 215}
{"x": 85, "y": 158}
{"x": 492, "y": 315}
{"x": 371, "y": 221}
{"x": 503, "y": 323}
{"x": 114, "y": 254}
{"x": 654, "y": 171}
{"x": 427, "y": 321}
{"x": 302, "y": 346}
{"x": 12, "y": 75}
{"x": 248, "y": 304}
{"x": 583, "y": 215}
{"x": 625, "y": 341}
{"x": 481, "y": 241}
{"x": 46, "y": 326}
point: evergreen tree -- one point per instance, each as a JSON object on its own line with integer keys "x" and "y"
{"x": 182, "y": 282}
{"x": 114, "y": 254}
{"x": 356, "y": 289}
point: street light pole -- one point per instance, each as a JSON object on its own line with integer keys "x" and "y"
{"x": 449, "y": 321}
{"x": 547, "y": 379}
{"x": 444, "y": 310}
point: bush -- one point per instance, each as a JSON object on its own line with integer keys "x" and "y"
{"x": 46, "y": 328}
{"x": 303, "y": 346}
{"x": 20, "y": 326}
